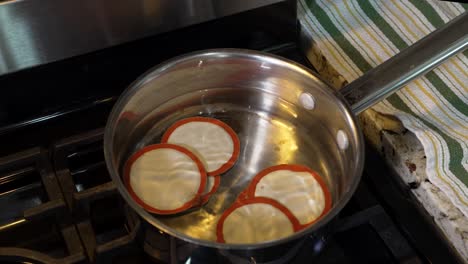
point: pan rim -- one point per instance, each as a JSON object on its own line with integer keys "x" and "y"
{"x": 239, "y": 53}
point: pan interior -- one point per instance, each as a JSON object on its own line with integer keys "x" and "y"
{"x": 262, "y": 99}
{"x": 269, "y": 135}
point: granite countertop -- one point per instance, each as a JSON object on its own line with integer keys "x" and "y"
{"x": 404, "y": 153}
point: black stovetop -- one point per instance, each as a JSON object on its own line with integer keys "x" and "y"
{"x": 61, "y": 201}
{"x": 59, "y": 205}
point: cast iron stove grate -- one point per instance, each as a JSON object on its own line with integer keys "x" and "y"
{"x": 61, "y": 206}
{"x": 35, "y": 225}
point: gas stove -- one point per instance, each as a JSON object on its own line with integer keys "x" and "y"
{"x": 59, "y": 205}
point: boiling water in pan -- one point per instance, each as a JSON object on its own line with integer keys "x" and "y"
{"x": 271, "y": 132}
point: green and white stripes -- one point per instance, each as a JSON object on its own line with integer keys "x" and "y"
{"x": 357, "y": 35}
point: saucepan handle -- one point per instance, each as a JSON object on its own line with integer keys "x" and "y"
{"x": 407, "y": 65}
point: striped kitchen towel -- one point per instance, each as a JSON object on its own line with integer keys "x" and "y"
{"x": 357, "y": 35}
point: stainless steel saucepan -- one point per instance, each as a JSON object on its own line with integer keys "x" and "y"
{"x": 281, "y": 111}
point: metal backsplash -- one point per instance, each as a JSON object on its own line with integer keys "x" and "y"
{"x": 34, "y": 32}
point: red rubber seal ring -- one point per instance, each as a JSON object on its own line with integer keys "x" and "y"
{"x": 249, "y": 193}
{"x": 228, "y": 129}
{"x": 205, "y": 197}
{"x": 219, "y": 228}
{"x": 139, "y": 153}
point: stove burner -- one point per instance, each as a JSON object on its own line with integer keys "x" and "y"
{"x": 168, "y": 249}
{"x": 282, "y": 258}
